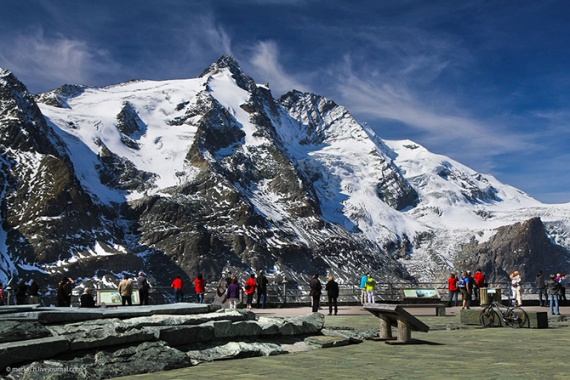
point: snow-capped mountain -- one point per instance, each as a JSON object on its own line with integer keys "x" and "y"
{"x": 214, "y": 173}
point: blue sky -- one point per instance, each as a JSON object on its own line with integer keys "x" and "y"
{"x": 484, "y": 82}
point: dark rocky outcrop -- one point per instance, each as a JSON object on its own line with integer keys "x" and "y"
{"x": 522, "y": 246}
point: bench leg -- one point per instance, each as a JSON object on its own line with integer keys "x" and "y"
{"x": 440, "y": 311}
{"x": 404, "y": 331}
{"x": 385, "y": 327}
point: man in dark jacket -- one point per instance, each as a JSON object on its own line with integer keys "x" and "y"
{"x": 316, "y": 289}
{"x": 332, "y": 292}
{"x": 261, "y": 289}
{"x": 541, "y": 286}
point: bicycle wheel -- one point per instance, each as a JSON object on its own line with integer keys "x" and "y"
{"x": 517, "y": 318}
{"x": 488, "y": 317}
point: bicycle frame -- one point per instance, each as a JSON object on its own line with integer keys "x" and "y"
{"x": 497, "y": 314}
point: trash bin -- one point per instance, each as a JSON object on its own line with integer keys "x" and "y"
{"x": 484, "y": 296}
{"x": 491, "y": 294}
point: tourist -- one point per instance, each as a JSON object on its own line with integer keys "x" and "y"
{"x": 463, "y": 285}
{"x": 315, "y": 293}
{"x": 541, "y": 286}
{"x": 21, "y": 292}
{"x": 453, "y": 290}
{"x": 553, "y": 293}
{"x": 178, "y": 286}
{"x": 249, "y": 288}
{"x": 86, "y": 299}
{"x": 479, "y": 282}
{"x": 262, "y": 283}
{"x": 332, "y": 293}
{"x": 363, "y": 295}
{"x": 369, "y": 287}
{"x": 126, "y": 291}
{"x": 516, "y": 288}
{"x": 1, "y": 295}
{"x": 562, "y": 282}
{"x": 144, "y": 288}
{"x": 34, "y": 293}
{"x": 470, "y": 287}
{"x": 200, "y": 286}
{"x": 62, "y": 298}
{"x": 233, "y": 292}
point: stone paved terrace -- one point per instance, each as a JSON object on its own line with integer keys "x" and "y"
{"x": 451, "y": 351}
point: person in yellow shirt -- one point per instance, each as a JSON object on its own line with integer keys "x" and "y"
{"x": 369, "y": 286}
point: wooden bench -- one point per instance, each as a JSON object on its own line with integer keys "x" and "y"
{"x": 394, "y": 315}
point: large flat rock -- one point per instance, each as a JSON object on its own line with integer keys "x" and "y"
{"x": 31, "y": 349}
{"x": 61, "y": 315}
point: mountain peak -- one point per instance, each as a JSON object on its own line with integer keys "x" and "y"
{"x": 229, "y": 62}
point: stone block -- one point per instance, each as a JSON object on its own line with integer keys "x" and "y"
{"x": 31, "y": 350}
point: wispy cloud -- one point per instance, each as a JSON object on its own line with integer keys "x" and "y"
{"x": 265, "y": 60}
{"x": 38, "y": 59}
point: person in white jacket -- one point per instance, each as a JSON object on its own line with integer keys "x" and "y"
{"x": 516, "y": 288}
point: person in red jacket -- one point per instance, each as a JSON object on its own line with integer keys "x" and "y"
{"x": 178, "y": 286}
{"x": 480, "y": 282}
{"x": 249, "y": 287}
{"x": 453, "y": 290}
{"x": 200, "y": 285}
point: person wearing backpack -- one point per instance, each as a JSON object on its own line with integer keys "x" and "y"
{"x": 463, "y": 285}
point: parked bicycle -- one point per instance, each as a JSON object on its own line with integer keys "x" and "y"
{"x": 497, "y": 314}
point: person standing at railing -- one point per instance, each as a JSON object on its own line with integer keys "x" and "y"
{"x": 541, "y": 286}
{"x": 370, "y": 286}
{"x": 553, "y": 293}
{"x": 233, "y": 292}
{"x": 463, "y": 285}
{"x": 200, "y": 286}
{"x": 363, "y": 288}
{"x": 316, "y": 290}
{"x": 480, "y": 282}
{"x": 262, "y": 283}
{"x": 332, "y": 293}
{"x": 178, "y": 286}
{"x": 144, "y": 288}
{"x": 562, "y": 282}
{"x": 126, "y": 291}
{"x": 249, "y": 288}
{"x": 516, "y": 288}
{"x": 453, "y": 290}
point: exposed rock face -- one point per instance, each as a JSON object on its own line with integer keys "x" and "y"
{"x": 524, "y": 247}
{"x": 45, "y": 211}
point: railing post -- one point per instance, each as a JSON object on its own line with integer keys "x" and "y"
{"x": 284, "y": 293}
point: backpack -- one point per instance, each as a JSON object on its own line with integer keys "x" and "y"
{"x": 461, "y": 283}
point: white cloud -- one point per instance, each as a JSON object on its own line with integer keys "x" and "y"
{"x": 442, "y": 126}
{"x": 52, "y": 61}
{"x": 267, "y": 67}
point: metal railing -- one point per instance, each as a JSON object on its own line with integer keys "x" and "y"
{"x": 297, "y": 294}
{"x": 291, "y": 294}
